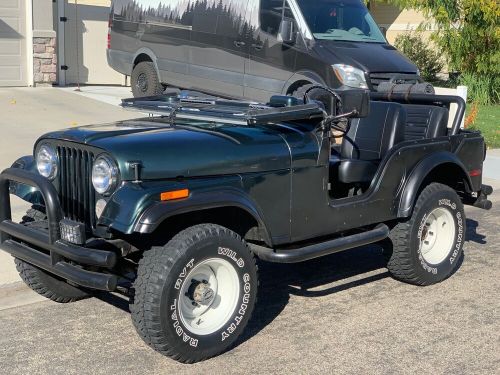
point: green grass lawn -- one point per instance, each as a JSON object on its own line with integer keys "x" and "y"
{"x": 488, "y": 122}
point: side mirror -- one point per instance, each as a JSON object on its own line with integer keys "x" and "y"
{"x": 286, "y": 34}
{"x": 355, "y": 100}
{"x": 383, "y": 30}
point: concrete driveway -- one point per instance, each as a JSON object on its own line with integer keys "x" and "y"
{"x": 341, "y": 314}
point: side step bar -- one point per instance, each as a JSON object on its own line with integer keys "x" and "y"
{"x": 302, "y": 254}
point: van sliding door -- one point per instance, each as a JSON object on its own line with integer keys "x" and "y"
{"x": 219, "y": 46}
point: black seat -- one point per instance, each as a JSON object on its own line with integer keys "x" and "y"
{"x": 425, "y": 121}
{"x": 368, "y": 140}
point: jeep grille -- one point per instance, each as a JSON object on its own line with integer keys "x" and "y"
{"x": 76, "y": 193}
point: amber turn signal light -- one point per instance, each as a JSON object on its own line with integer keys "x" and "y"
{"x": 176, "y": 194}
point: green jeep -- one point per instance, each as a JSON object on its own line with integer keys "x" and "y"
{"x": 174, "y": 209}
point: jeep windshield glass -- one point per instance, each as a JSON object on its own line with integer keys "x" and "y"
{"x": 346, "y": 20}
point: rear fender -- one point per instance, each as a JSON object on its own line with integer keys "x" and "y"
{"x": 25, "y": 192}
{"x": 421, "y": 172}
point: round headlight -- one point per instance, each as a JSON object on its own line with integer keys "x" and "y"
{"x": 46, "y": 162}
{"x": 104, "y": 175}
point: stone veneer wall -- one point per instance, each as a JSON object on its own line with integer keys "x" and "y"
{"x": 44, "y": 61}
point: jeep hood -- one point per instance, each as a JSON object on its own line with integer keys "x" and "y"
{"x": 182, "y": 150}
{"x": 369, "y": 57}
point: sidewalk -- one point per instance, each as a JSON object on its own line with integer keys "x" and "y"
{"x": 492, "y": 164}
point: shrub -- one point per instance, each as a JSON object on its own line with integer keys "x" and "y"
{"x": 468, "y": 32}
{"x": 423, "y": 55}
{"x": 481, "y": 89}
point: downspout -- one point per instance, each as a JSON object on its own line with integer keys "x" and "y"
{"x": 29, "y": 44}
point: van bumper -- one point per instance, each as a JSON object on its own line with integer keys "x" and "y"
{"x": 43, "y": 246}
{"x": 122, "y": 62}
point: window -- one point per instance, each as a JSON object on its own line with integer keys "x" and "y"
{"x": 271, "y": 14}
{"x": 347, "y": 20}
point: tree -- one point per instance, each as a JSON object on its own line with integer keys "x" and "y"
{"x": 468, "y": 32}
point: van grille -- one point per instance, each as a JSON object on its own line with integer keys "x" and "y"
{"x": 377, "y": 78}
{"x": 76, "y": 193}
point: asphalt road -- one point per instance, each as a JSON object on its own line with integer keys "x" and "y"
{"x": 340, "y": 314}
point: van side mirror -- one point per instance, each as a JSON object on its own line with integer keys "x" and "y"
{"x": 356, "y": 101}
{"x": 383, "y": 30}
{"x": 286, "y": 34}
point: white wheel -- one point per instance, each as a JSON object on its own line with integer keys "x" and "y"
{"x": 438, "y": 236}
{"x": 209, "y": 296}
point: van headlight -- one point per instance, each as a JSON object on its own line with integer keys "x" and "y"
{"x": 47, "y": 162}
{"x": 350, "y": 76}
{"x": 104, "y": 175}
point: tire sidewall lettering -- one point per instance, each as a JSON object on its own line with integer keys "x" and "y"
{"x": 456, "y": 250}
{"x": 246, "y": 297}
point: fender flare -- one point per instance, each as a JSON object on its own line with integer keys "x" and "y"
{"x": 151, "y": 54}
{"x": 27, "y": 193}
{"x": 420, "y": 172}
{"x": 151, "y": 218}
{"x": 303, "y": 75}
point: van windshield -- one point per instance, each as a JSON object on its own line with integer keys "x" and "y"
{"x": 347, "y": 20}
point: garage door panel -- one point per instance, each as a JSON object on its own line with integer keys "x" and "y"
{"x": 13, "y": 60}
{"x": 16, "y": 4}
{"x": 10, "y": 48}
{"x": 10, "y": 73}
{"x": 10, "y": 27}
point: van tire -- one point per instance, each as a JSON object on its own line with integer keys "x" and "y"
{"x": 43, "y": 283}
{"x": 428, "y": 248}
{"x": 320, "y": 96}
{"x": 145, "y": 80}
{"x": 300, "y": 91}
{"x": 164, "y": 296}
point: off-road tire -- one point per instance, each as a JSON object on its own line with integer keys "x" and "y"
{"x": 145, "y": 80}
{"x": 162, "y": 274}
{"x": 40, "y": 281}
{"x": 407, "y": 262}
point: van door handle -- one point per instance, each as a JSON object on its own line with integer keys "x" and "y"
{"x": 258, "y": 47}
{"x": 239, "y": 43}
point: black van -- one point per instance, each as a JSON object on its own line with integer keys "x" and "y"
{"x": 250, "y": 48}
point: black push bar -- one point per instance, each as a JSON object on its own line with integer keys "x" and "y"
{"x": 25, "y": 242}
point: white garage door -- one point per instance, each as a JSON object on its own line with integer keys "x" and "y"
{"x": 13, "y": 43}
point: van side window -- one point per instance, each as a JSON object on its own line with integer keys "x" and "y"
{"x": 271, "y": 14}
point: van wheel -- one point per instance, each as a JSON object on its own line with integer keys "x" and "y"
{"x": 428, "y": 248}
{"x": 194, "y": 296}
{"x": 145, "y": 80}
{"x": 301, "y": 90}
{"x": 318, "y": 95}
{"x": 45, "y": 284}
